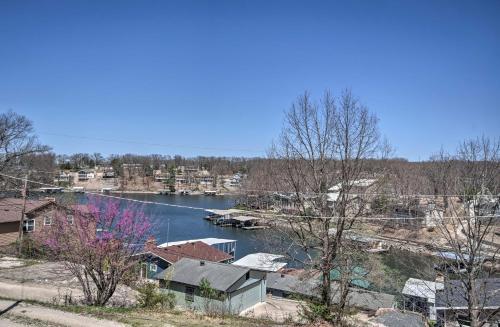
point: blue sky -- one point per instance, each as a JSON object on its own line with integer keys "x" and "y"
{"x": 214, "y": 77}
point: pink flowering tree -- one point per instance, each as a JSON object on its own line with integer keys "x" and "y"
{"x": 97, "y": 242}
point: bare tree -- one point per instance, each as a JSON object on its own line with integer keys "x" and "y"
{"x": 471, "y": 233}
{"x": 17, "y": 140}
{"x": 324, "y": 145}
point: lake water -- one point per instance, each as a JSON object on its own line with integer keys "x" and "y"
{"x": 389, "y": 270}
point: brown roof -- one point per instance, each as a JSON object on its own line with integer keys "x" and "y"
{"x": 11, "y": 208}
{"x": 195, "y": 250}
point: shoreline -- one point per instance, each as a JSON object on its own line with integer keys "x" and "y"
{"x": 153, "y": 192}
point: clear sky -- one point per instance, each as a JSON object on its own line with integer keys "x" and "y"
{"x": 214, "y": 77}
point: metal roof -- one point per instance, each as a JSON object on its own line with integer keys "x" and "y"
{"x": 222, "y": 212}
{"x": 245, "y": 218}
{"x": 261, "y": 261}
{"x": 422, "y": 288}
{"x": 208, "y": 240}
{"x": 188, "y": 271}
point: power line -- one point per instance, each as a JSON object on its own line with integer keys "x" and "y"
{"x": 243, "y": 210}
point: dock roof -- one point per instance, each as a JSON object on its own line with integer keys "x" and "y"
{"x": 245, "y": 218}
{"x": 261, "y": 261}
{"x": 208, "y": 240}
{"x": 223, "y": 212}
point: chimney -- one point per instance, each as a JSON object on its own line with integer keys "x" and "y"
{"x": 202, "y": 263}
{"x": 150, "y": 243}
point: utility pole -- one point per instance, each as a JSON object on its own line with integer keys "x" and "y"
{"x": 21, "y": 221}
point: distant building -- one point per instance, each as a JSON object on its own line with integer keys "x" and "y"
{"x": 108, "y": 172}
{"x": 62, "y": 177}
{"x": 238, "y": 288}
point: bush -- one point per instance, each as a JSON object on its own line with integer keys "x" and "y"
{"x": 313, "y": 311}
{"x": 151, "y": 297}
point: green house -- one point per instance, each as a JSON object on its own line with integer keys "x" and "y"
{"x": 237, "y": 288}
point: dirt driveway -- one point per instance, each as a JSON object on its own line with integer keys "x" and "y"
{"x": 23, "y": 314}
{"x": 48, "y": 282}
{"x": 275, "y": 308}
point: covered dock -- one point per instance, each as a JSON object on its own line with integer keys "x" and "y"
{"x": 261, "y": 261}
{"x": 245, "y": 221}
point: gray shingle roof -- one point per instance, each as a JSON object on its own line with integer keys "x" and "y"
{"x": 359, "y": 298}
{"x": 454, "y": 293}
{"x": 292, "y": 284}
{"x": 189, "y": 271}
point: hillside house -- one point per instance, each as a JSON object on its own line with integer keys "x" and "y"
{"x": 156, "y": 259}
{"x": 238, "y": 288}
{"x": 451, "y": 304}
{"x": 38, "y": 215}
{"x": 284, "y": 285}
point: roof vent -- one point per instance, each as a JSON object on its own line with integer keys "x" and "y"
{"x": 202, "y": 263}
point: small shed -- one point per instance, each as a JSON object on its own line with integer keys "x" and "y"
{"x": 420, "y": 296}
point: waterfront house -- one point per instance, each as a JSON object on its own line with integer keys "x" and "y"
{"x": 62, "y": 177}
{"x": 420, "y": 296}
{"x": 238, "y": 288}
{"x": 108, "y": 172}
{"x": 452, "y": 308}
{"x": 82, "y": 175}
{"x": 156, "y": 259}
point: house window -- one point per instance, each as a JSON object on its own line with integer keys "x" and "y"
{"x": 153, "y": 267}
{"x": 70, "y": 219}
{"x": 29, "y": 225}
{"x": 189, "y": 294}
{"x": 247, "y": 276}
{"x": 47, "y": 221}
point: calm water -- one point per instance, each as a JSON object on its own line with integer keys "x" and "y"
{"x": 389, "y": 270}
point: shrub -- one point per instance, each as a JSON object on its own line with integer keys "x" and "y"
{"x": 313, "y": 311}
{"x": 151, "y": 297}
